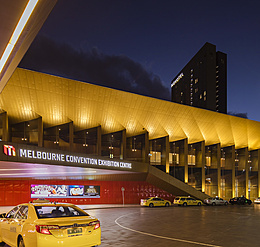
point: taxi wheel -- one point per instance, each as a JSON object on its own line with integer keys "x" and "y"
{"x": 151, "y": 205}
{"x": 21, "y": 242}
{"x": 213, "y": 204}
{"x": 199, "y": 203}
{"x": 167, "y": 204}
{"x": 184, "y": 204}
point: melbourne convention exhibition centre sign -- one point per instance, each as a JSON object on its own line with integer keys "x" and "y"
{"x": 33, "y": 154}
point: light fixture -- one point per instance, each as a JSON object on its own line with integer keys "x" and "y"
{"x": 85, "y": 144}
{"x": 57, "y": 136}
{"x": 111, "y": 155}
{"x": 24, "y": 134}
{"x": 17, "y": 32}
{"x": 134, "y": 149}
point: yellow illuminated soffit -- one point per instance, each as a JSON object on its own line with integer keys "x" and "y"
{"x": 17, "y": 32}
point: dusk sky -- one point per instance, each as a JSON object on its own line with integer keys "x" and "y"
{"x": 140, "y": 45}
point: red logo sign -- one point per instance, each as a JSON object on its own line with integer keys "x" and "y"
{"x": 9, "y": 150}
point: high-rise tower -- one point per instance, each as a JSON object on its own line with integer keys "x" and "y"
{"x": 203, "y": 81}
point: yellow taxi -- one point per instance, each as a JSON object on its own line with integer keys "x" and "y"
{"x": 155, "y": 202}
{"x": 186, "y": 201}
{"x": 49, "y": 225}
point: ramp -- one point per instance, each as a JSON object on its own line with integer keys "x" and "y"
{"x": 172, "y": 185}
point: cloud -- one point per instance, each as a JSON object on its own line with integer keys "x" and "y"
{"x": 238, "y": 114}
{"x": 114, "y": 71}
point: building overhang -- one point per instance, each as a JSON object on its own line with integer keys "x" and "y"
{"x": 29, "y": 95}
{"x": 20, "y": 21}
{"x": 19, "y": 160}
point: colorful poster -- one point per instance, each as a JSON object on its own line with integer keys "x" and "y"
{"x": 76, "y": 190}
{"x": 64, "y": 191}
{"x": 92, "y": 191}
{"x": 42, "y": 191}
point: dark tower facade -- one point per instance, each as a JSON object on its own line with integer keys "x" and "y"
{"x": 203, "y": 81}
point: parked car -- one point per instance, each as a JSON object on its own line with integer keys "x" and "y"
{"x": 257, "y": 200}
{"x": 215, "y": 201}
{"x": 240, "y": 201}
{"x": 49, "y": 224}
{"x": 186, "y": 201}
{"x": 155, "y": 202}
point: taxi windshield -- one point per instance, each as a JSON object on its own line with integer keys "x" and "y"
{"x": 56, "y": 211}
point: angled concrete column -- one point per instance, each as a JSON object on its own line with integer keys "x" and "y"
{"x": 165, "y": 154}
{"x": 40, "y": 132}
{"x": 203, "y": 159}
{"x": 146, "y": 148}
{"x": 99, "y": 141}
{"x": 5, "y": 136}
{"x": 219, "y": 169}
{"x": 186, "y": 168}
{"x": 71, "y": 135}
{"x": 123, "y": 145}
{"x": 233, "y": 171}
{"x": 246, "y": 171}
{"x": 258, "y": 179}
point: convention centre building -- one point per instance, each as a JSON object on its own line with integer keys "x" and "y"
{"x": 77, "y": 142}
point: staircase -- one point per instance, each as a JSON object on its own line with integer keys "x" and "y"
{"x": 172, "y": 185}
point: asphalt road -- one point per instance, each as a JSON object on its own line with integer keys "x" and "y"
{"x": 214, "y": 226}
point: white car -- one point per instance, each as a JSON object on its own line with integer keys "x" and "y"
{"x": 257, "y": 200}
{"x": 215, "y": 201}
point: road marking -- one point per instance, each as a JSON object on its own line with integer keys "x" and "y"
{"x": 158, "y": 236}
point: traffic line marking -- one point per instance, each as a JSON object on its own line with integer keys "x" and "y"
{"x": 158, "y": 236}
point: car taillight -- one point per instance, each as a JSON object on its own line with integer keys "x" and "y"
{"x": 44, "y": 229}
{"x": 96, "y": 224}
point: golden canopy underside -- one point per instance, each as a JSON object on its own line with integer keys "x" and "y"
{"x": 57, "y": 100}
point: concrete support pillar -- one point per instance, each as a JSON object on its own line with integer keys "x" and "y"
{"x": 203, "y": 159}
{"x": 98, "y": 145}
{"x": 5, "y": 136}
{"x": 146, "y": 148}
{"x": 186, "y": 169}
{"x": 219, "y": 169}
{"x": 258, "y": 179}
{"x": 246, "y": 171}
{"x": 123, "y": 145}
{"x": 233, "y": 157}
{"x": 165, "y": 154}
{"x": 150, "y": 149}
{"x": 71, "y": 136}
{"x": 40, "y": 132}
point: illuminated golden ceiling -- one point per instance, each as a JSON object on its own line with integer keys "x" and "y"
{"x": 58, "y": 100}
